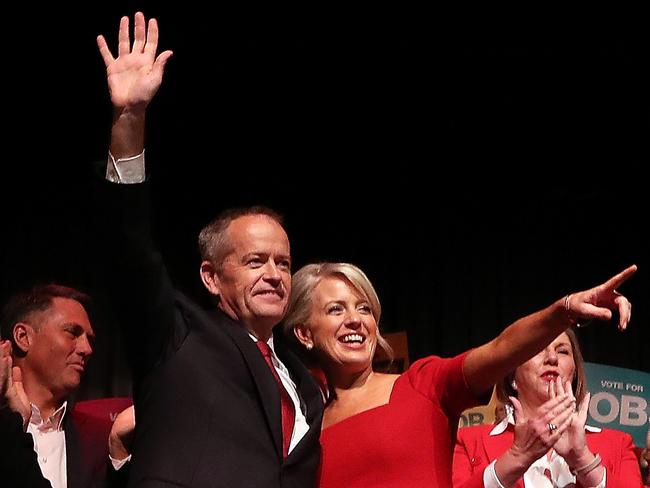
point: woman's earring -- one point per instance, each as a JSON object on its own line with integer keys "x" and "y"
{"x": 514, "y": 385}
{"x": 309, "y": 346}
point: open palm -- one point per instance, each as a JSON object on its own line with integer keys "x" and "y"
{"x": 135, "y": 75}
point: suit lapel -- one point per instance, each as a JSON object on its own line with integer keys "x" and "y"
{"x": 73, "y": 452}
{"x": 262, "y": 376}
{"x": 308, "y": 391}
{"x": 307, "y": 387}
{"x": 495, "y": 445}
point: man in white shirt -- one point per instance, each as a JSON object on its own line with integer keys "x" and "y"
{"x": 51, "y": 336}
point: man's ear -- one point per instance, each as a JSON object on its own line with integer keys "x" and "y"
{"x": 304, "y": 336}
{"x": 23, "y": 337}
{"x": 209, "y": 278}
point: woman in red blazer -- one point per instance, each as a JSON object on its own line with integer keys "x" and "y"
{"x": 544, "y": 441}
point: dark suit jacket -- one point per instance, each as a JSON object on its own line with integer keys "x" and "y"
{"x": 86, "y": 441}
{"x": 207, "y": 406}
{"x": 476, "y": 449}
{"x": 18, "y": 464}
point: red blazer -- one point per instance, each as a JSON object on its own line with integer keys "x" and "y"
{"x": 476, "y": 449}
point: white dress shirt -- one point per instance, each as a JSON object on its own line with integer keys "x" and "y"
{"x": 49, "y": 444}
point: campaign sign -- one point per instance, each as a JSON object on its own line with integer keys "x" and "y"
{"x": 620, "y": 399}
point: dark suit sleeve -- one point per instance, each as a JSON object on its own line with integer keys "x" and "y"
{"x": 18, "y": 463}
{"x": 139, "y": 285}
{"x": 119, "y": 478}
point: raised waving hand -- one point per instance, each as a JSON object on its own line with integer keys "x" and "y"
{"x": 135, "y": 75}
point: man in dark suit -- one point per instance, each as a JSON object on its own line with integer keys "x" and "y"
{"x": 51, "y": 335}
{"x": 18, "y": 462}
{"x": 211, "y": 409}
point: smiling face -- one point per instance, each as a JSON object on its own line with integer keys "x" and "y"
{"x": 341, "y": 327}
{"x": 254, "y": 279}
{"x": 532, "y": 378}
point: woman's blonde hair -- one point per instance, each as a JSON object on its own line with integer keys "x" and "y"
{"x": 304, "y": 282}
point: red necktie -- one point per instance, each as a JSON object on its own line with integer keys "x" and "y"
{"x": 547, "y": 473}
{"x": 286, "y": 405}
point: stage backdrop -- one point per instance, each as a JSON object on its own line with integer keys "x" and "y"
{"x": 619, "y": 399}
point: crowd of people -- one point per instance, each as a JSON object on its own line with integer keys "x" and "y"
{"x": 224, "y": 396}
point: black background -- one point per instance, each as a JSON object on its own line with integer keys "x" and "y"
{"x": 476, "y": 170}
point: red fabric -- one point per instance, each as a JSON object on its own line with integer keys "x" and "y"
{"x": 288, "y": 410}
{"x": 102, "y": 408}
{"x": 87, "y": 439}
{"x": 476, "y": 449}
{"x": 547, "y": 473}
{"x": 406, "y": 443}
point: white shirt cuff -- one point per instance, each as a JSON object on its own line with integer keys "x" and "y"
{"x": 125, "y": 170}
{"x": 490, "y": 478}
{"x": 117, "y": 464}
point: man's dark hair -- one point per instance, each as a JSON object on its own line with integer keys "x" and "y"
{"x": 21, "y": 306}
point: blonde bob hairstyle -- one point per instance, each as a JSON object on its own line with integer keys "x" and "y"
{"x": 504, "y": 388}
{"x": 306, "y": 279}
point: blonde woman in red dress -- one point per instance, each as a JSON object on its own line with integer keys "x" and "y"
{"x": 399, "y": 430}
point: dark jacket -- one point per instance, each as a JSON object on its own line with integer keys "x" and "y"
{"x": 207, "y": 406}
{"x": 18, "y": 464}
{"x": 87, "y": 462}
